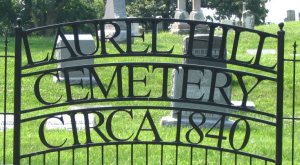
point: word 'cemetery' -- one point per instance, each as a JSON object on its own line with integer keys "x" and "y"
{"x": 119, "y": 76}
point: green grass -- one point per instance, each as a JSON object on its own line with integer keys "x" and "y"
{"x": 262, "y": 138}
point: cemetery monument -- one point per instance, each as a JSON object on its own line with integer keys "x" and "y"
{"x": 87, "y": 46}
{"x": 291, "y": 15}
{"x": 116, "y": 9}
{"x": 248, "y": 19}
{"x": 197, "y": 13}
{"x": 181, "y": 13}
{"x": 196, "y": 78}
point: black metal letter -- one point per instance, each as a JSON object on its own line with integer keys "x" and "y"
{"x": 196, "y": 128}
{"x": 222, "y": 91}
{"x": 118, "y": 72}
{"x": 109, "y": 125}
{"x": 131, "y": 81}
{"x": 42, "y": 133}
{"x": 68, "y": 84}
{"x": 87, "y": 127}
{"x": 111, "y": 39}
{"x": 152, "y": 125}
{"x": 37, "y": 89}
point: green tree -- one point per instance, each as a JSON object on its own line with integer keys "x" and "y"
{"x": 151, "y": 8}
{"x": 257, "y": 7}
{"x": 46, "y": 12}
{"x": 227, "y": 8}
{"x": 76, "y": 10}
{"x": 8, "y": 15}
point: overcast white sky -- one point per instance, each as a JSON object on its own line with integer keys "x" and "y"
{"x": 277, "y": 9}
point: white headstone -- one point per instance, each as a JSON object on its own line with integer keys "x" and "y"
{"x": 249, "y": 21}
{"x": 160, "y": 24}
{"x": 227, "y": 22}
{"x": 8, "y": 124}
{"x": 263, "y": 52}
{"x": 87, "y": 46}
{"x": 55, "y": 123}
{"x": 135, "y": 29}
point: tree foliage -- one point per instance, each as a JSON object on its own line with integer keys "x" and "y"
{"x": 227, "y": 8}
{"x": 8, "y": 15}
{"x": 76, "y": 10}
{"x": 151, "y": 8}
{"x": 45, "y": 12}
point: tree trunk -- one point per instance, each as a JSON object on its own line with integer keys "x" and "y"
{"x": 52, "y": 13}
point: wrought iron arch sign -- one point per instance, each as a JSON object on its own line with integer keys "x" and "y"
{"x": 122, "y": 76}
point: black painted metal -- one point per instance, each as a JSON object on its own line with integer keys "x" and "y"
{"x": 31, "y": 68}
{"x": 280, "y": 78}
{"x": 294, "y": 103}
{"x": 17, "y": 93}
{"x": 5, "y": 99}
{"x": 4, "y": 110}
{"x": 293, "y": 118}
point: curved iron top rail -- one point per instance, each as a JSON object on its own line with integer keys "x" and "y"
{"x": 268, "y": 122}
{"x": 145, "y": 20}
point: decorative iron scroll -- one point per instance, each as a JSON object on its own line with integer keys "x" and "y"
{"x": 133, "y": 87}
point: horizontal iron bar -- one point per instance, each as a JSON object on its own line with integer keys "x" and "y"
{"x": 6, "y": 113}
{"x": 170, "y": 65}
{"x": 148, "y": 99}
{"x": 242, "y": 64}
{"x": 152, "y": 107}
{"x": 291, "y": 118}
{"x": 7, "y": 56}
{"x": 291, "y": 60}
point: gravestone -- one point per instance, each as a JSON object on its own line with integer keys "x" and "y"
{"x": 87, "y": 46}
{"x": 180, "y": 13}
{"x": 135, "y": 28}
{"x": 8, "y": 124}
{"x": 197, "y": 13}
{"x": 160, "y": 26}
{"x": 116, "y": 9}
{"x": 291, "y": 15}
{"x": 227, "y": 22}
{"x": 204, "y": 78}
{"x": 56, "y": 123}
{"x": 263, "y": 52}
{"x": 249, "y": 20}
